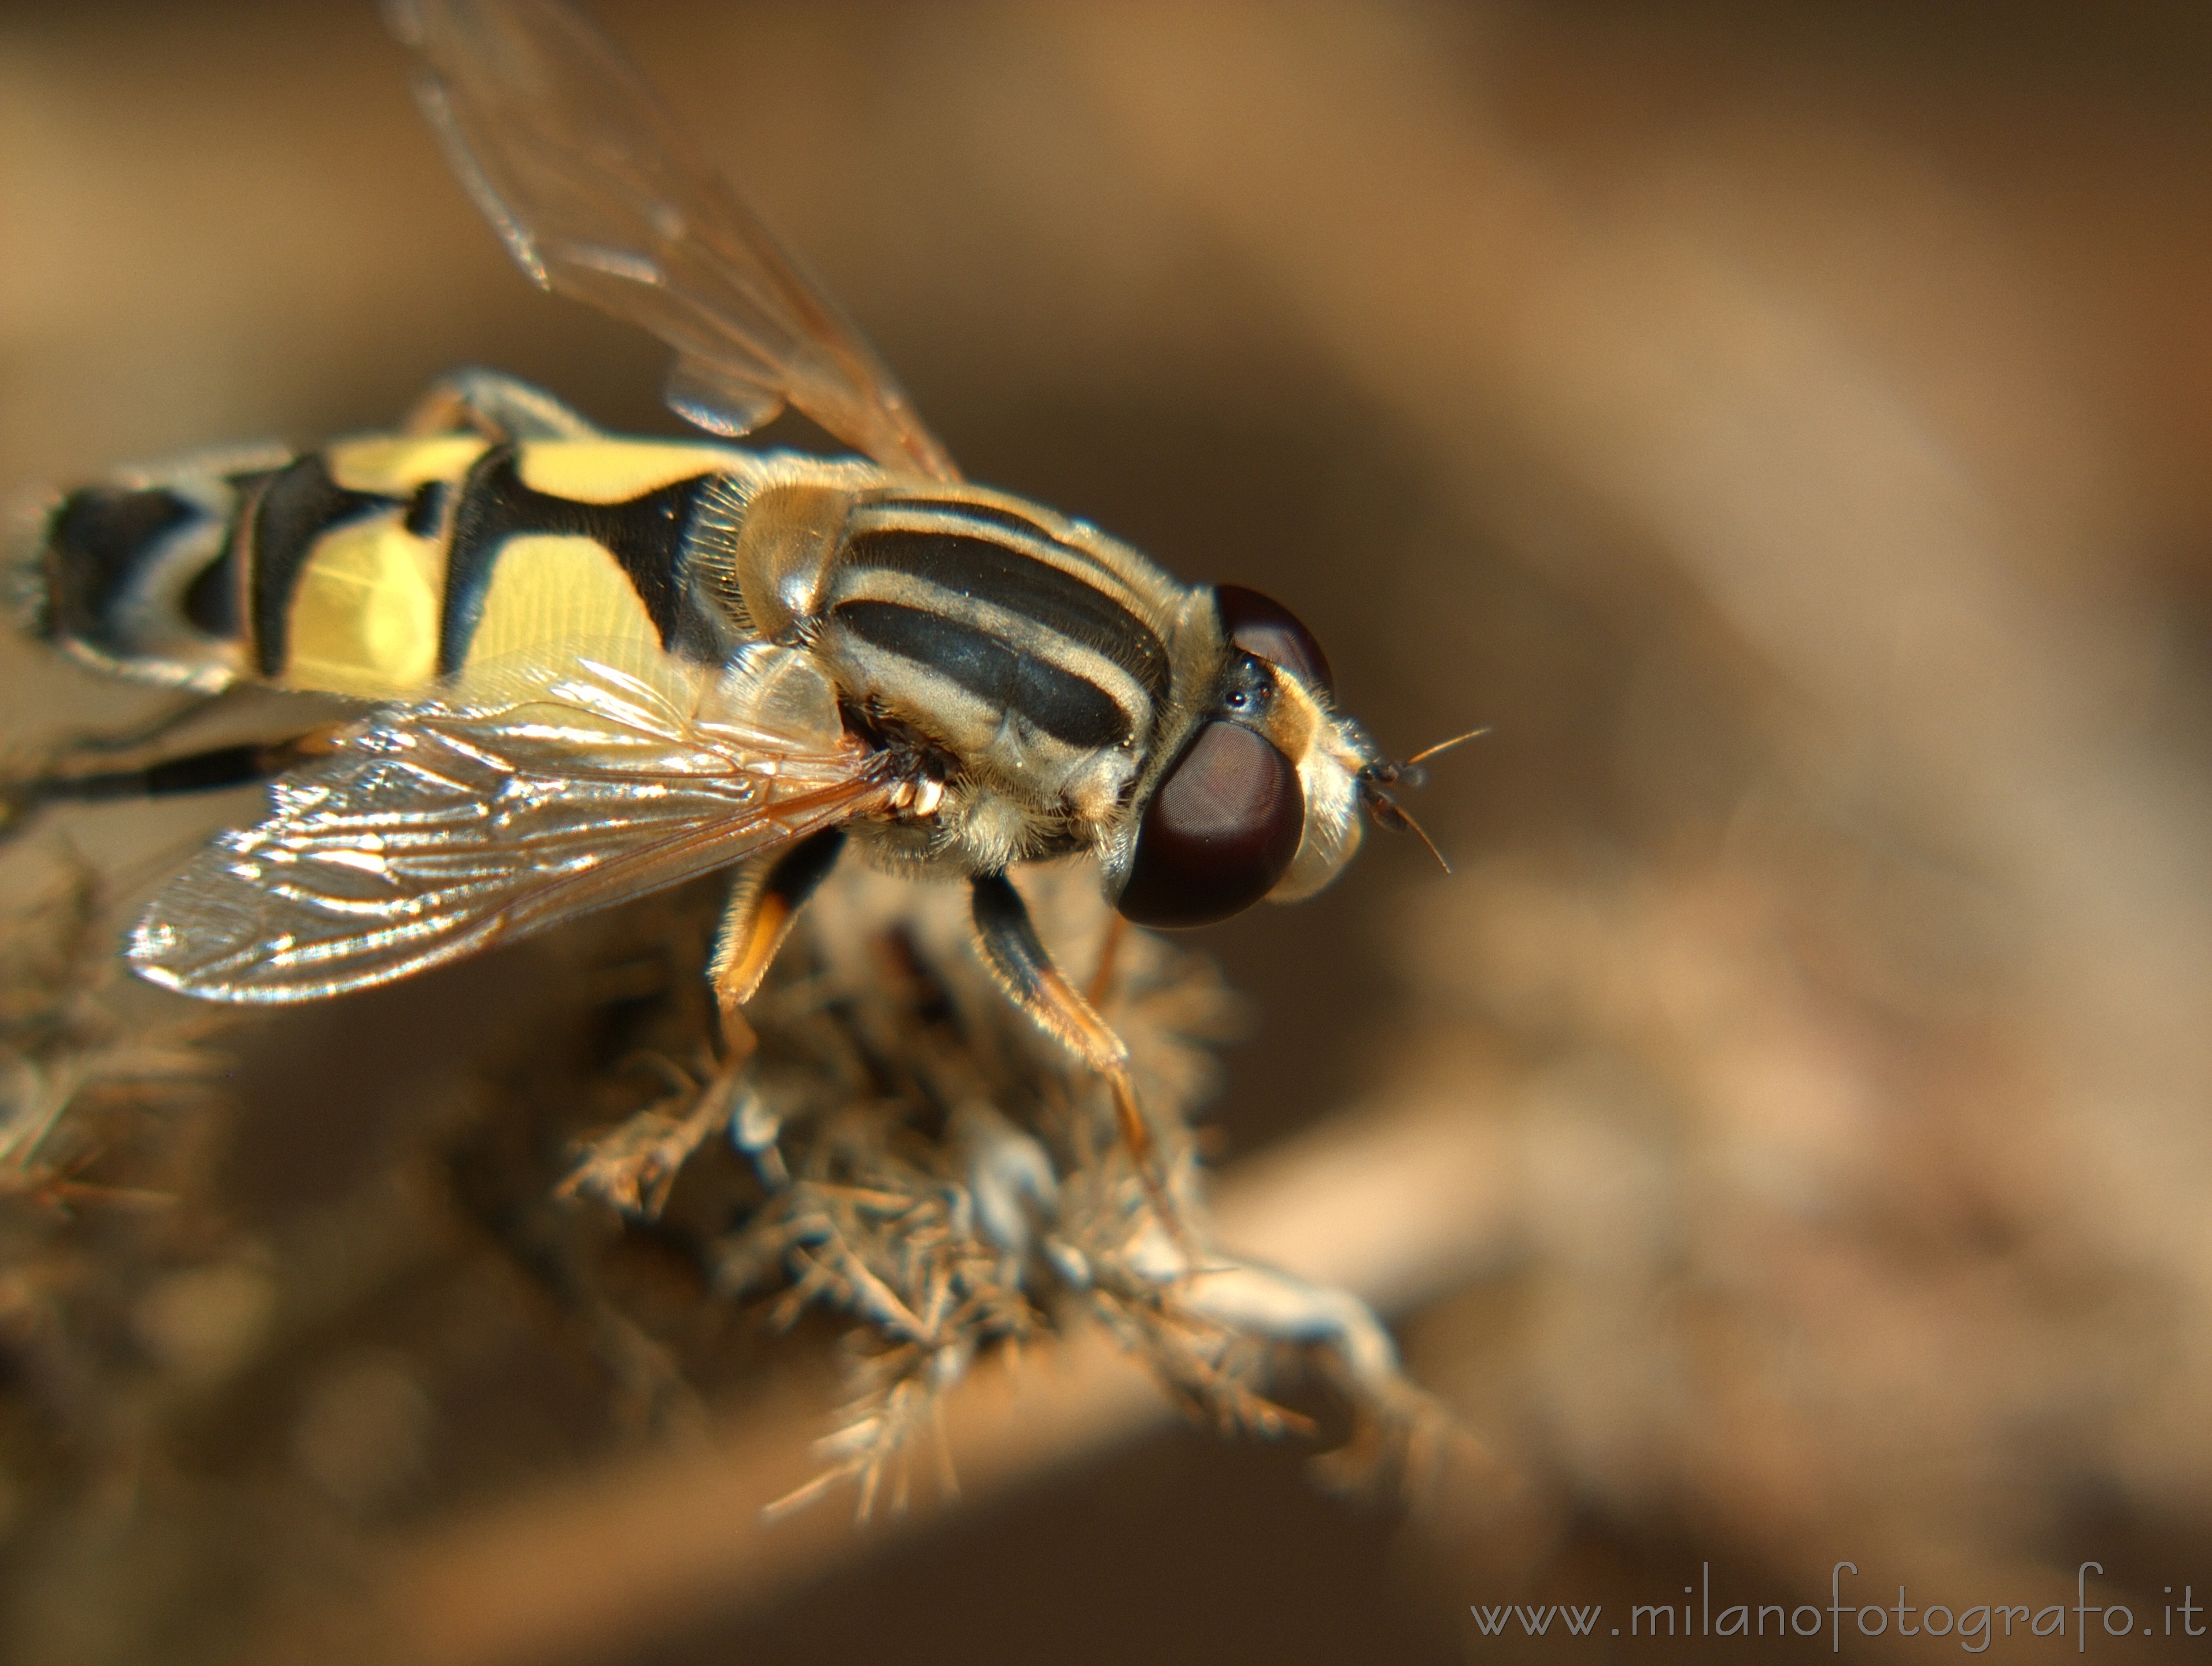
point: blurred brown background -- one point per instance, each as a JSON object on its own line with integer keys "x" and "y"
{"x": 1787, "y": 426}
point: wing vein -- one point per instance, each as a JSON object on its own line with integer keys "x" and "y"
{"x": 501, "y": 808}
{"x": 599, "y": 195}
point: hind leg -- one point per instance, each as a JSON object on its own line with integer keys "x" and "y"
{"x": 216, "y": 767}
{"x": 497, "y": 407}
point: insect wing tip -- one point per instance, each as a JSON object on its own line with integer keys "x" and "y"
{"x": 194, "y": 940}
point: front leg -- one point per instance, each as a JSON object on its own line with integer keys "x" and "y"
{"x": 633, "y": 1168}
{"x": 1018, "y": 960}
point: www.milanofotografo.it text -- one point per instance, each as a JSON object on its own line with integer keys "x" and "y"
{"x": 1847, "y": 1613}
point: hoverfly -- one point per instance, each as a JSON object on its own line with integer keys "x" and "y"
{"x": 604, "y": 665}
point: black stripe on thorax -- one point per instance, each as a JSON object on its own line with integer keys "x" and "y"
{"x": 1067, "y": 707}
{"x": 992, "y": 572}
{"x": 646, "y": 534}
{"x": 992, "y": 512}
{"x": 959, "y": 516}
{"x": 299, "y": 503}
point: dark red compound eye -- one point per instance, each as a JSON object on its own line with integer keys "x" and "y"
{"x": 1218, "y": 833}
{"x": 1260, "y": 624}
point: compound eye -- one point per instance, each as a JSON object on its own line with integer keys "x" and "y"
{"x": 1260, "y": 624}
{"x": 1218, "y": 833}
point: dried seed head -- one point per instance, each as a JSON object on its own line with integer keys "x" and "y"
{"x": 952, "y": 1182}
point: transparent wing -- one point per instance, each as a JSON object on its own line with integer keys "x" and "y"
{"x": 515, "y": 801}
{"x": 599, "y": 195}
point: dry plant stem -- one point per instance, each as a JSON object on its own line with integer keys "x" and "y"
{"x": 1397, "y": 1209}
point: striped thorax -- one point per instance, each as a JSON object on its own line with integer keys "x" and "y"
{"x": 590, "y": 667}
{"x": 1043, "y": 677}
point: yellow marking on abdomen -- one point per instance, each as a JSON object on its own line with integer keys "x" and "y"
{"x": 364, "y": 616}
{"x": 615, "y": 470}
{"x": 395, "y": 466}
{"x": 552, "y": 593}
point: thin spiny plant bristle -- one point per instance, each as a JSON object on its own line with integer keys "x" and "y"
{"x": 955, "y": 1186}
{"x": 906, "y": 1162}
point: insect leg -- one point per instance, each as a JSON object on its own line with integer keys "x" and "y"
{"x": 1018, "y": 960}
{"x": 1110, "y": 949}
{"x": 191, "y": 708}
{"x": 762, "y": 912}
{"x": 483, "y": 402}
{"x": 207, "y": 771}
{"x": 634, "y": 1167}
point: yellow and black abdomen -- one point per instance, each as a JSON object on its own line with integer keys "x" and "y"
{"x": 137, "y": 575}
{"x": 378, "y": 566}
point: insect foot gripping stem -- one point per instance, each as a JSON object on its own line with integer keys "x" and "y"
{"x": 634, "y": 1167}
{"x": 953, "y": 1194}
{"x": 1017, "y": 958}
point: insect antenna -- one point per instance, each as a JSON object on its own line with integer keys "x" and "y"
{"x": 1378, "y": 777}
{"x": 1388, "y": 812}
{"x": 1428, "y": 752}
